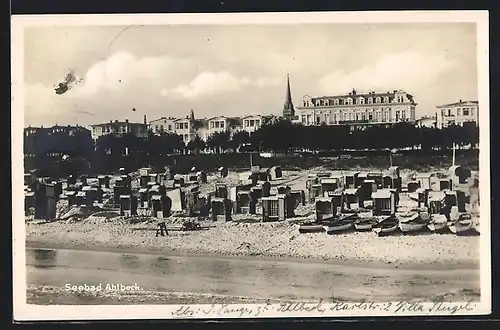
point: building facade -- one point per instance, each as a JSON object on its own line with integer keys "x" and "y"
{"x": 457, "y": 113}
{"x": 356, "y": 109}
{"x": 119, "y": 128}
{"x": 185, "y": 128}
{"x": 162, "y": 125}
{"x": 429, "y": 122}
{"x": 251, "y": 124}
{"x": 223, "y": 124}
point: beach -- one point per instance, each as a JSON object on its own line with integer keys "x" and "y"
{"x": 264, "y": 240}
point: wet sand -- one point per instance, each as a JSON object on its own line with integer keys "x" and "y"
{"x": 262, "y": 240}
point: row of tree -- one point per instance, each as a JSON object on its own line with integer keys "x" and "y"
{"x": 284, "y": 136}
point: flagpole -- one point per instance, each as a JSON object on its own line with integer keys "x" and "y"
{"x": 453, "y": 160}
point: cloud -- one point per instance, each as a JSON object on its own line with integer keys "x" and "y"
{"x": 407, "y": 70}
{"x": 111, "y": 87}
{"x": 208, "y": 83}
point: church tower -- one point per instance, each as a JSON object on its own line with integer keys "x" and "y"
{"x": 288, "y": 110}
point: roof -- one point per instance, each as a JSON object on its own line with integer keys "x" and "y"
{"x": 252, "y": 116}
{"x": 425, "y": 118}
{"x": 456, "y": 104}
{"x": 338, "y": 191}
{"x": 424, "y": 175}
{"x": 216, "y": 117}
{"x": 328, "y": 180}
{"x": 356, "y": 95}
{"x": 351, "y": 173}
{"x": 382, "y": 193}
{"x": 436, "y": 196}
{"x": 117, "y": 123}
{"x": 351, "y": 191}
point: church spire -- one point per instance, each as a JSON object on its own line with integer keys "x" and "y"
{"x": 288, "y": 110}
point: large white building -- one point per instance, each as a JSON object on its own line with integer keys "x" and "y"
{"x": 163, "y": 125}
{"x": 457, "y": 113}
{"x": 119, "y": 128}
{"x": 356, "y": 109}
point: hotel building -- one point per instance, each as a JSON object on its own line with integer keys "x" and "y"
{"x": 357, "y": 110}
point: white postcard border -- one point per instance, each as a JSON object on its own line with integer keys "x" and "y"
{"x": 25, "y": 312}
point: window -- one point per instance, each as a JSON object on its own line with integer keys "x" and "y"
{"x": 186, "y": 137}
{"x": 466, "y": 112}
{"x": 177, "y": 125}
{"x": 221, "y": 124}
{"x": 156, "y": 127}
{"x": 336, "y": 102}
{"x": 161, "y": 128}
{"x": 326, "y": 102}
{"x": 360, "y": 100}
{"x": 304, "y": 119}
{"x": 318, "y": 103}
{"x": 458, "y": 111}
{"x": 370, "y": 116}
{"x": 397, "y": 115}
{"x": 403, "y": 114}
{"x": 449, "y": 112}
{"x": 252, "y": 123}
{"x": 386, "y": 99}
{"x": 348, "y": 101}
{"x": 169, "y": 127}
{"x": 370, "y": 100}
{"x": 378, "y": 99}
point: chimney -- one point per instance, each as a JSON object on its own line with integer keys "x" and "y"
{"x": 460, "y": 101}
{"x": 353, "y": 91}
{"x": 116, "y": 120}
{"x": 145, "y": 120}
{"x": 126, "y": 120}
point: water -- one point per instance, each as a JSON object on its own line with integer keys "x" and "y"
{"x": 254, "y": 278}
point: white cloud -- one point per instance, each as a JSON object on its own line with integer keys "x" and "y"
{"x": 407, "y": 70}
{"x": 207, "y": 83}
{"x": 112, "y": 87}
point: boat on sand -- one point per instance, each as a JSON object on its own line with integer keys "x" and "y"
{"x": 463, "y": 225}
{"x": 311, "y": 227}
{"x": 342, "y": 223}
{"x": 365, "y": 223}
{"x": 411, "y": 222}
{"x": 386, "y": 226}
{"x": 438, "y": 223}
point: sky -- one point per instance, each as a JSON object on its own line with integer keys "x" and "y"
{"x": 167, "y": 70}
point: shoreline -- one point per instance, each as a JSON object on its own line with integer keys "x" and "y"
{"x": 472, "y": 265}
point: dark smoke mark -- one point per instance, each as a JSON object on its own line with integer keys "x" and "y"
{"x": 69, "y": 81}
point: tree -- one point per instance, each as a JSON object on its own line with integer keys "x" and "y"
{"x": 218, "y": 141}
{"x": 196, "y": 145}
{"x": 239, "y": 138}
